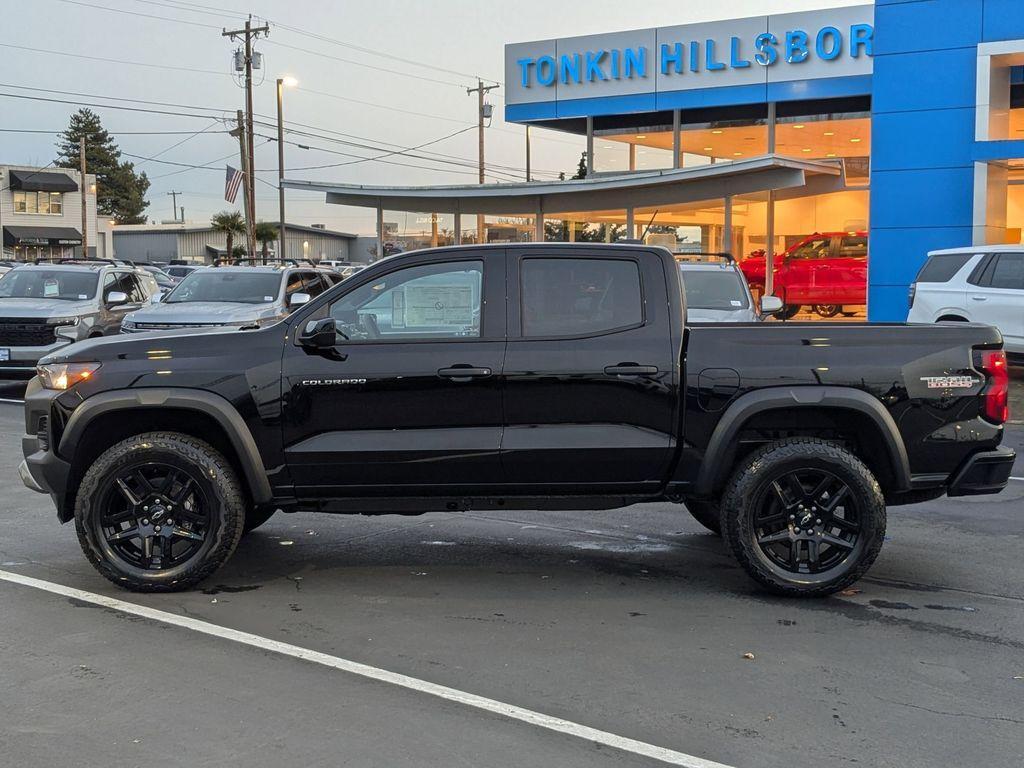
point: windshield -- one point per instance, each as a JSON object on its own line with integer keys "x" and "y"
{"x": 63, "y": 285}
{"x": 234, "y": 287}
{"x": 707, "y": 289}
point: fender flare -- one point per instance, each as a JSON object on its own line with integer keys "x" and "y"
{"x": 718, "y": 458}
{"x": 197, "y": 400}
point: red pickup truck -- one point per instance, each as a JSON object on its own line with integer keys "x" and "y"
{"x": 826, "y": 270}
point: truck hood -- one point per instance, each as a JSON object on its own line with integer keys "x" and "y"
{"x": 204, "y": 312}
{"x": 40, "y": 308}
{"x": 720, "y": 316}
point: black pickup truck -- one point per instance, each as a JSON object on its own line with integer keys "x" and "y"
{"x": 515, "y": 376}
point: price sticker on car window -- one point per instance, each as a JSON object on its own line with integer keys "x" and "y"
{"x": 51, "y": 288}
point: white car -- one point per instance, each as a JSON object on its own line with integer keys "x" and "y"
{"x": 983, "y": 284}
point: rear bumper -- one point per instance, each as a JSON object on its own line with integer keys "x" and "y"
{"x": 985, "y": 472}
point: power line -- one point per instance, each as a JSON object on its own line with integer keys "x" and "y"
{"x": 111, "y": 98}
{"x": 136, "y": 13}
{"x": 116, "y": 61}
{"x": 104, "y": 106}
{"x": 108, "y": 130}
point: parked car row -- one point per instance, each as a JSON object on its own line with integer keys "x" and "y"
{"x": 46, "y": 306}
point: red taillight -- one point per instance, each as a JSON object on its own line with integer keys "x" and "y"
{"x": 996, "y": 394}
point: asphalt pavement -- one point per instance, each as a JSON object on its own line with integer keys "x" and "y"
{"x": 635, "y": 622}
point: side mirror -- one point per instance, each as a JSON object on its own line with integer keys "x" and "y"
{"x": 298, "y": 299}
{"x": 770, "y": 305}
{"x": 319, "y": 334}
{"x": 117, "y": 297}
{"x": 156, "y": 298}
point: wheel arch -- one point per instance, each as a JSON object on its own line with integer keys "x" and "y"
{"x": 851, "y": 406}
{"x": 108, "y": 417}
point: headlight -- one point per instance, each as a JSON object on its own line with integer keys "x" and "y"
{"x": 65, "y": 375}
{"x": 127, "y": 325}
{"x": 63, "y": 321}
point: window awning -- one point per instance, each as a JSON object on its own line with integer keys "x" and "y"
{"x": 41, "y": 236}
{"x": 40, "y": 181}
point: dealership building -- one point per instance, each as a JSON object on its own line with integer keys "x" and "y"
{"x": 903, "y": 120}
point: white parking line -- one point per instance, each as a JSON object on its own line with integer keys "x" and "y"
{"x": 374, "y": 673}
{"x": 1018, "y": 479}
{"x": 11, "y": 400}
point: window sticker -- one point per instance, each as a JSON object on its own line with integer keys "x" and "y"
{"x": 434, "y": 305}
{"x": 736, "y": 303}
{"x": 82, "y": 296}
{"x": 51, "y": 288}
{"x": 398, "y": 309}
{"x": 268, "y": 298}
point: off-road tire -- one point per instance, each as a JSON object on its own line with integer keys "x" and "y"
{"x": 755, "y": 474}
{"x": 707, "y": 513}
{"x": 221, "y": 484}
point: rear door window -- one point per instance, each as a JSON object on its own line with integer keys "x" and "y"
{"x": 941, "y": 267}
{"x": 853, "y": 246}
{"x": 579, "y": 297}
{"x": 1008, "y": 272}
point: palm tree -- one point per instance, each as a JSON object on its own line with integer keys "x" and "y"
{"x": 267, "y": 233}
{"x": 230, "y": 223}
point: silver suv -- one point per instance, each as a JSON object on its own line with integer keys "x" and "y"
{"x": 46, "y": 306}
{"x": 232, "y": 296}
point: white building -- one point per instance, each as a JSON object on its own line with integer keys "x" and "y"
{"x": 41, "y": 213}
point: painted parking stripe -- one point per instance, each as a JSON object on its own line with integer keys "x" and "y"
{"x": 11, "y": 400}
{"x": 373, "y": 673}
{"x": 1018, "y": 479}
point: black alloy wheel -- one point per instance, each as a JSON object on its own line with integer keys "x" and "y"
{"x": 153, "y": 516}
{"x": 803, "y": 516}
{"x": 159, "y": 512}
{"x": 807, "y": 521}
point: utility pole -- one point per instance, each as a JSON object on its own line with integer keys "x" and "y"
{"x": 249, "y": 33}
{"x": 174, "y": 204}
{"x": 250, "y": 239}
{"x": 85, "y": 200}
{"x": 482, "y": 108}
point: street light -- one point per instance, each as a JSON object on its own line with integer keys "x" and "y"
{"x": 291, "y": 82}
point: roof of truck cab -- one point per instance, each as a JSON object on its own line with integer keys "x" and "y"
{"x": 1015, "y": 248}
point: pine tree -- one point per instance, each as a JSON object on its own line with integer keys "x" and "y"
{"x": 120, "y": 191}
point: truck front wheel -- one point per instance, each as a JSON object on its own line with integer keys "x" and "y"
{"x": 804, "y": 517}
{"x": 159, "y": 512}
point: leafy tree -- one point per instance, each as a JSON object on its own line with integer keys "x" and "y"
{"x": 120, "y": 191}
{"x": 581, "y": 167}
{"x": 266, "y": 233}
{"x": 230, "y": 223}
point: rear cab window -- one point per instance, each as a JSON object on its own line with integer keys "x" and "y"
{"x": 579, "y": 297}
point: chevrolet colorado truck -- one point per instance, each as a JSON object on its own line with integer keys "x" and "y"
{"x": 537, "y": 376}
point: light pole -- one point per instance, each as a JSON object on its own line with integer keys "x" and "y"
{"x": 291, "y": 82}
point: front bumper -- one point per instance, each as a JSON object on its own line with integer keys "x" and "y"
{"x": 42, "y": 470}
{"x": 984, "y": 472}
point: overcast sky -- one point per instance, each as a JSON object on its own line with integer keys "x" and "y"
{"x": 371, "y": 106}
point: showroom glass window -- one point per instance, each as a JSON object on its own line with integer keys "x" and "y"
{"x": 579, "y": 297}
{"x": 51, "y": 203}
{"x": 428, "y": 301}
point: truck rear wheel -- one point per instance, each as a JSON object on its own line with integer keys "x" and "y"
{"x": 804, "y": 517}
{"x": 159, "y": 512}
{"x": 707, "y": 513}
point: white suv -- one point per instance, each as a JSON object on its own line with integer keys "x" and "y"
{"x": 983, "y": 284}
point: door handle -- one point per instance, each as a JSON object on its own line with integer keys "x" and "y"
{"x": 463, "y": 373}
{"x": 980, "y": 298}
{"x": 631, "y": 369}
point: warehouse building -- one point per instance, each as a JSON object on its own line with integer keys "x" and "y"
{"x": 202, "y": 244}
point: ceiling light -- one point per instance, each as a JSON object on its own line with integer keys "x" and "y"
{"x": 717, "y": 131}
{"x": 641, "y": 136}
{"x": 831, "y": 154}
{"x": 805, "y": 149}
{"x": 830, "y": 133}
{"x": 854, "y": 141}
{"x": 709, "y": 149}
{"x": 799, "y": 126}
{"x": 737, "y": 154}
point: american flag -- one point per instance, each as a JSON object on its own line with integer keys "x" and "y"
{"x": 231, "y": 184}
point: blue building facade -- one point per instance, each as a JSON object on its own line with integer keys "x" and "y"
{"x": 921, "y": 101}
